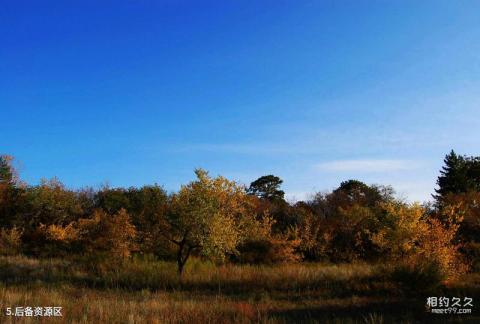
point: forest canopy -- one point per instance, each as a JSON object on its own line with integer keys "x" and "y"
{"x": 221, "y": 220}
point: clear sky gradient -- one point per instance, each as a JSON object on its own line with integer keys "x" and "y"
{"x": 316, "y": 92}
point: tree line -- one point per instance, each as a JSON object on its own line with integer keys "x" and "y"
{"x": 218, "y": 219}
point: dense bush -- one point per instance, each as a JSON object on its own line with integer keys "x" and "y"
{"x": 472, "y": 252}
{"x": 419, "y": 277}
{"x": 10, "y": 241}
{"x": 269, "y": 251}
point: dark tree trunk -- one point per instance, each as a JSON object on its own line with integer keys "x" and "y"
{"x": 180, "y": 267}
{"x": 183, "y": 256}
{"x": 180, "y": 259}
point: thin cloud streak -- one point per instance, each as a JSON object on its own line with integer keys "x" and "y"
{"x": 368, "y": 165}
{"x": 253, "y": 149}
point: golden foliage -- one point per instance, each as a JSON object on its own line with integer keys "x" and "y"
{"x": 51, "y": 203}
{"x": 284, "y": 250}
{"x": 261, "y": 245}
{"x": 464, "y": 210}
{"x": 416, "y": 239}
{"x": 208, "y": 216}
{"x": 399, "y": 229}
{"x": 113, "y": 234}
{"x": 436, "y": 244}
{"x": 315, "y": 237}
{"x": 104, "y": 233}
{"x": 10, "y": 241}
{"x": 59, "y": 233}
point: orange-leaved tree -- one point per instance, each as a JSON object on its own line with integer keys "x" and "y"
{"x": 112, "y": 236}
{"x": 410, "y": 235}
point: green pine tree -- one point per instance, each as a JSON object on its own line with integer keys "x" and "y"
{"x": 455, "y": 176}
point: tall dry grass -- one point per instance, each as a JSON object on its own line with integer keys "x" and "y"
{"x": 144, "y": 290}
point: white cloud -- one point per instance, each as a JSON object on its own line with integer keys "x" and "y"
{"x": 368, "y": 165}
{"x": 294, "y": 196}
{"x": 415, "y": 190}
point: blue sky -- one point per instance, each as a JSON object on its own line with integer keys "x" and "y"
{"x": 316, "y": 92}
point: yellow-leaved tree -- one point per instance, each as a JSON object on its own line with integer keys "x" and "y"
{"x": 262, "y": 245}
{"x": 410, "y": 236}
{"x": 112, "y": 234}
{"x": 206, "y": 217}
{"x": 10, "y": 241}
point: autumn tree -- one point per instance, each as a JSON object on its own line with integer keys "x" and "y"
{"x": 267, "y": 188}
{"x": 348, "y": 194}
{"x": 113, "y": 234}
{"x": 147, "y": 206}
{"x": 111, "y": 200}
{"x": 6, "y": 189}
{"x": 10, "y": 241}
{"x": 354, "y": 192}
{"x": 409, "y": 236}
{"x": 57, "y": 240}
{"x": 347, "y": 233}
{"x": 8, "y": 174}
{"x": 314, "y": 235}
{"x": 51, "y": 203}
{"x": 12, "y": 194}
{"x": 261, "y": 244}
{"x": 205, "y": 217}
{"x": 465, "y": 209}
{"x": 400, "y": 226}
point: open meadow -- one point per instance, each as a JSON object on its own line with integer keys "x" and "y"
{"x": 148, "y": 291}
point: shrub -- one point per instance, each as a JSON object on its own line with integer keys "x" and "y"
{"x": 56, "y": 240}
{"x": 254, "y": 251}
{"x": 315, "y": 238}
{"x": 408, "y": 235}
{"x": 10, "y": 241}
{"x": 269, "y": 251}
{"x": 472, "y": 250}
{"x": 261, "y": 245}
{"x": 418, "y": 277}
{"x": 436, "y": 245}
{"x": 113, "y": 235}
{"x": 433, "y": 259}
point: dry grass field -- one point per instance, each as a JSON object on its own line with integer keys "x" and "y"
{"x": 149, "y": 291}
